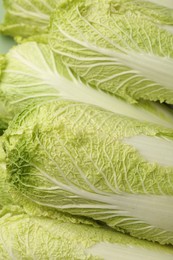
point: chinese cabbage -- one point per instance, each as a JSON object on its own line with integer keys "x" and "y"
{"x": 116, "y": 46}
{"x": 87, "y": 161}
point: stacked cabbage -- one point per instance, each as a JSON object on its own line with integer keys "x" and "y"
{"x": 86, "y": 151}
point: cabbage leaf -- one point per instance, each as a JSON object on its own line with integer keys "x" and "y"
{"x": 23, "y": 236}
{"x": 5, "y": 197}
{"x": 4, "y": 117}
{"x": 157, "y": 11}
{"x": 34, "y": 73}
{"x": 166, "y": 3}
{"x": 26, "y": 18}
{"x": 86, "y": 161}
{"x": 117, "y": 46}
{"x": 2, "y": 63}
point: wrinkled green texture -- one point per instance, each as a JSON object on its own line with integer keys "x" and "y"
{"x": 2, "y": 63}
{"x": 166, "y": 3}
{"x": 117, "y": 46}
{"x": 4, "y": 118}
{"x": 26, "y": 18}
{"x": 156, "y": 11}
{"x": 26, "y": 237}
{"x": 88, "y": 155}
{"x": 34, "y": 73}
{"x": 5, "y": 197}
{"x": 72, "y": 157}
{"x": 3, "y": 124}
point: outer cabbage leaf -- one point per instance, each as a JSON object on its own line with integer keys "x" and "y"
{"x": 10, "y": 201}
{"x": 5, "y": 197}
{"x": 154, "y": 10}
{"x": 2, "y": 63}
{"x": 166, "y": 3}
{"x": 4, "y": 118}
{"x": 116, "y": 47}
{"x": 34, "y": 73}
{"x": 39, "y": 38}
{"x": 157, "y": 11}
{"x": 87, "y": 161}
{"x": 23, "y": 236}
{"x": 26, "y": 18}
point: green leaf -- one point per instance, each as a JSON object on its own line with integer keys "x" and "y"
{"x": 26, "y": 18}
{"x": 26, "y": 237}
{"x": 2, "y": 63}
{"x": 81, "y": 159}
{"x": 5, "y": 197}
{"x": 4, "y": 117}
{"x": 117, "y": 46}
{"x": 157, "y": 11}
{"x": 166, "y": 3}
{"x": 34, "y": 73}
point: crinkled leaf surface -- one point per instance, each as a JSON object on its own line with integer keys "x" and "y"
{"x": 26, "y": 237}
{"x": 166, "y": 3}
{"x": 2, "y": 63}
{"x": 87, "y": 161}
{"x": 26, "y": 18}
{"x": 33, "y": 72}
{"x": 157, "y": 11}
{"x": 116, "y": 47}
{"x": 4, "y": 117}
{"x": 5, "y": 197}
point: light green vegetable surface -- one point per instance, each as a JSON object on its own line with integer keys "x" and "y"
{"x": 117, "y": 47}
{"x": 86, "y": 139}
{"x": 87, "y": 161}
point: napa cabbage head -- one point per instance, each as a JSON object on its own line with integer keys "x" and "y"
{"x": 87, "y": 161}
{"x": 24, "y": 236}
{"x": 27, "y": 18}
{"x": 120, "y": 47}
{"x": 34, "y": 73}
